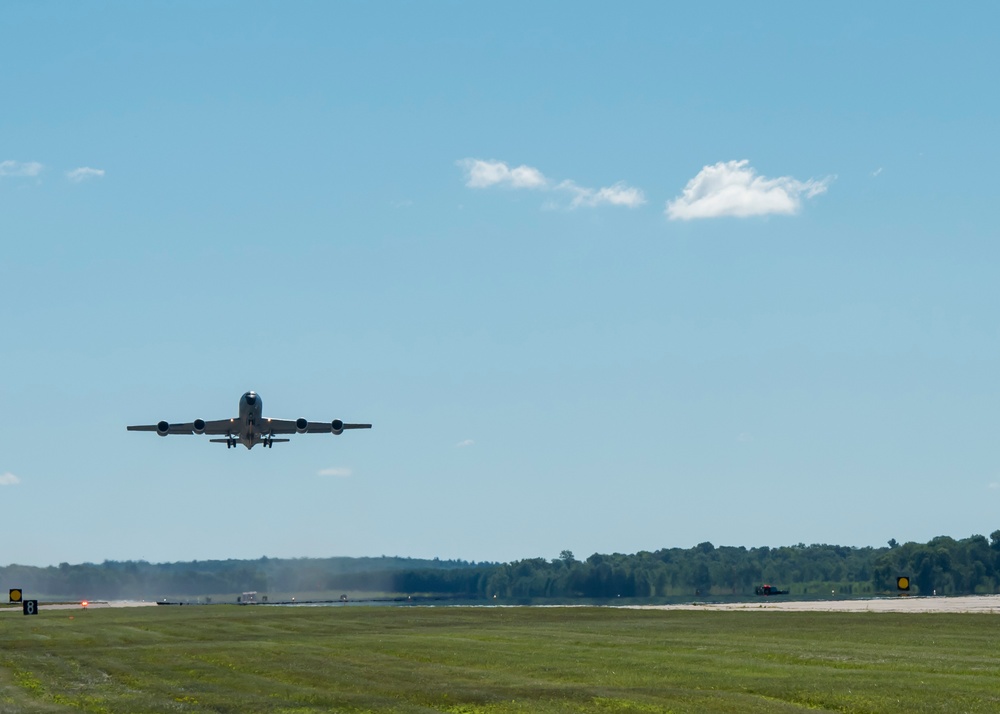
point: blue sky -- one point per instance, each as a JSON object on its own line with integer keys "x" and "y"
{"x": 605, "y": 279}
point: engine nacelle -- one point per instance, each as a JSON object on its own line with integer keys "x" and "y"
{"x": 199, "y": 426}
{"x": 337, "y": 426}
{"x": 301, "y": 425}
{"x": 162, "y": 428}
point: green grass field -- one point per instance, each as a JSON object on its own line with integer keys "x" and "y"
{"x": 491, "y": 660}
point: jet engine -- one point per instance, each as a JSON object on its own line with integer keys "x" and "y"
{"x": 301, "y": 425}
{"x": 199, "y": 426}
{"x": 162, "y": 428}
{"x": 337, "y": 426}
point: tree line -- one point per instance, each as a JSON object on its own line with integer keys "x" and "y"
{"x": 943, "y": 566}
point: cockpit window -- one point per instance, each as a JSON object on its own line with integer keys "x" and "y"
{"x": 251, "y": 398}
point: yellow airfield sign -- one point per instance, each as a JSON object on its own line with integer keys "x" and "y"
{"x": 15, "y": 595}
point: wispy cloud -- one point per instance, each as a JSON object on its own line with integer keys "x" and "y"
{"x": 488, "y": 174}
{"x": 619, "y": 194}
{"x": 483, "y": 174}
{"x": 9, "y": 479}
{"x": 994, "y": 486}
{"x": 464, "y": 444}
{"x": 20, "y": 168}
{"x": 335, "y": 471}
{"x": 744, "y": 438}
{"x": 876, "y": 172}
{"x": 733, "y": 188}
{"x": 83, "y": 173}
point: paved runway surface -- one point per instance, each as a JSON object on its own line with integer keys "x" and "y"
{"x": 966, "y": 603}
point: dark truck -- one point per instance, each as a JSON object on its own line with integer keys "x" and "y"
{"x": 768, "y": 590}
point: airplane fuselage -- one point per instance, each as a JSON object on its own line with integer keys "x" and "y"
{"x": 248, "y": 430}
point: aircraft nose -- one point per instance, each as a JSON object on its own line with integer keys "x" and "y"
{"x": 251, "y": 398}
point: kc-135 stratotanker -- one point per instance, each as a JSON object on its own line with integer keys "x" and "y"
{"x": 250, "y": 427}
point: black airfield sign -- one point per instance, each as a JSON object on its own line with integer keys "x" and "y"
{"x": 30, "y": 607}
{"x": 15, "y": 594}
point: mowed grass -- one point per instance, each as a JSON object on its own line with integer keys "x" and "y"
{"x": 491, "y": 660}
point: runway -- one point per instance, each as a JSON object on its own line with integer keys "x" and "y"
{"x": 965, "y": 603}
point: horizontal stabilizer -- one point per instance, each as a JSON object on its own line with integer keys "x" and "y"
{"x": 224, "y": 441}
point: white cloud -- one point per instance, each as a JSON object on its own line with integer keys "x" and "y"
{"x": 876, "y": 172}
{"x": 83, "y": 173}
{"x": 733, "y": 188}
{"x": 744, "y": 438}
{"x": 20, "y": 168}
{"x": 620, "y": 194}
{"x": 463, "y": 444}
{"x": 483, "y": 174}
{"x": 9, "y": 479}
{"x": 335, "y": 471}
{"x": 995, "y": 485}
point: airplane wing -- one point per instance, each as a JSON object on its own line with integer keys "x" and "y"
{"x": 171, "y": 428}
{"x": 219, "y": 426}
{"x": 290, "y": 426}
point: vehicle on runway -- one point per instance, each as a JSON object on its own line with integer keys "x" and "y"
{"x": 250, "y": 427}
{"x": 769, "y": 590}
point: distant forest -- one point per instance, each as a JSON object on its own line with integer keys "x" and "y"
{"x": 944, "y": 566}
